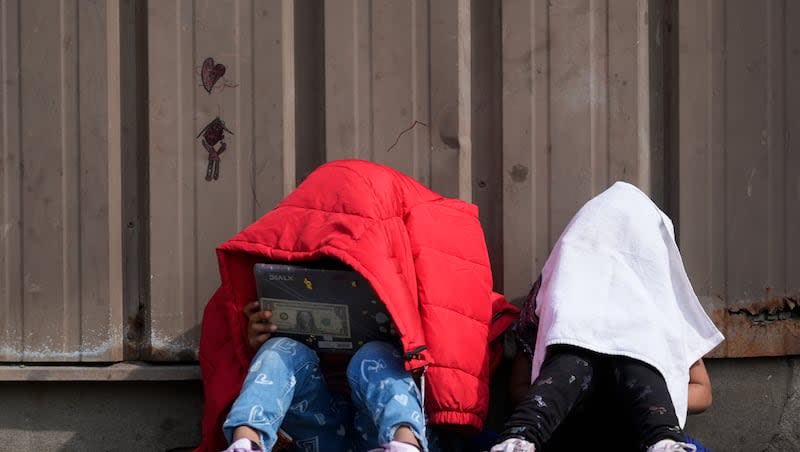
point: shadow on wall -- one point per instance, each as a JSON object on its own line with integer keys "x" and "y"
{"x": 149, "y": 407}
{"x": 107, "y": 416}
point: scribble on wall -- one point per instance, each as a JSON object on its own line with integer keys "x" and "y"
{"x": 213, "y": 134}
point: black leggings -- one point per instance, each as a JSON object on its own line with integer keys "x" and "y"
{"x": 601, "y": 393}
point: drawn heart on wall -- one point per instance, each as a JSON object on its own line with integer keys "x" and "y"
{"x": 211, "y": 73}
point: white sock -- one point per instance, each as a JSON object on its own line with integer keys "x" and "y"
{"x": 399, "y": 446}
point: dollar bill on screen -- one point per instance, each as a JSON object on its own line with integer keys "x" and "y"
{"x": 308, "y": 317}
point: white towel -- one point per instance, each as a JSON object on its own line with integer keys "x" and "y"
{"x": 615, "y": 284}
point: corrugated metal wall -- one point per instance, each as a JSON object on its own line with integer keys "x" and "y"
{"x": 60, "y": 215}
{"x": 739, "y": 176}
{"x": 380, "y": 99}
{"x": 527, "y": 108}
{"x": 576, "y": 117}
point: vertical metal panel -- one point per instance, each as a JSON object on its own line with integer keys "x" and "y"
{"x": 399, "y": 85}
{"x": 309, "y": 45}
{"x": 446, "y": 110}
{"x": 576, "y": 114}
{"x": 133, "y": 147}
{"x": 377, "y": 83}
{"x": 464, "y": 51}
{"x": 398, "y": 88}
{"x": 792, "y": 167}
{"x": 738, "y": 175}
{"x": 486, "y": 124}
{"x": 61, "y": 181}
{"x": 11, "y": 282}
{"x": 348, "y": 78}
{"x": 255, "y": 98}
{"x": 402, "y": 89}
{"x": 526, "y": 143}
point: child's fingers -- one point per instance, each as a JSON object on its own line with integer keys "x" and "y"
{"x": 254, "y": 313}
{"x": 261, "y": 316}
{"x": 262, "y": 327}
{"x": 251, "y": 308}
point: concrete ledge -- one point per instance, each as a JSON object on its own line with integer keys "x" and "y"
{"x": 126, "y": 371}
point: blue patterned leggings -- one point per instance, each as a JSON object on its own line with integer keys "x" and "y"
{"x": 285, "y": 389}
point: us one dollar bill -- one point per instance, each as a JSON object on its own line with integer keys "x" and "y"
{"x": 308, "y": 317}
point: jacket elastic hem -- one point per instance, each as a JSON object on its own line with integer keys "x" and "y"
{"x": 456, "y": 418}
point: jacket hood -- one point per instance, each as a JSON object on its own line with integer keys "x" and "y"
{"x": 315, "y": 221}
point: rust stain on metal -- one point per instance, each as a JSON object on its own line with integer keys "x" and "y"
{"x": 135, "y": 326}
{"x": 134, "y": 332}
{"x": 770, "y": 305}
{"x": 765, "y": 327}
{"x": 168, "y": 346}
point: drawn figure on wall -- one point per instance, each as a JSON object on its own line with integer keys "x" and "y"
{"x": 212, "y": 135}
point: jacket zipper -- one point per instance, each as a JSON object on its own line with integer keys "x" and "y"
{"x": 416, "y": 353}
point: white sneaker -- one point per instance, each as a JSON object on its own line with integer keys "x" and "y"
{"x": 396, "y": 446}
{"x": 668, "y": 445}
{"x": 514, "y": 445}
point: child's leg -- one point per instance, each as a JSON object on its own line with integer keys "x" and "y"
{"x": 385, "y": 396}
{"x": 565, "y": 379}
{"x": 284, "y": 387}
{"x": 642, "y": 392}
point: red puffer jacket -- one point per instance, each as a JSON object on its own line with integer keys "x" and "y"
{"x": 424, "y": 255}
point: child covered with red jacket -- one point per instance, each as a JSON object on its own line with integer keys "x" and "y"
{"x": 425, "y": 257}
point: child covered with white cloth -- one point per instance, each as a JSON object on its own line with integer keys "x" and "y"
{"x": 613, "y": 323}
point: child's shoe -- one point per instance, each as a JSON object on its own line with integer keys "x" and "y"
{"x": 697, "y": 444}
{"x": 514, "y": 445}
{"x": 243, "y": 445}
{"x": 396, "y": 446}
{"x": 668, "y": 445}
